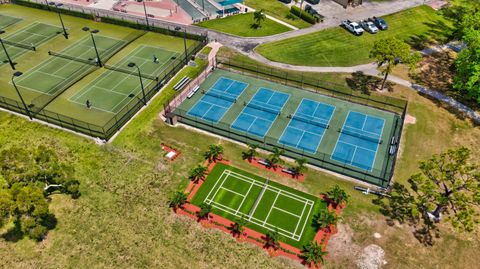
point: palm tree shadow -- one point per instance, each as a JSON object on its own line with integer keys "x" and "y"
{"x": 365, "y": 84}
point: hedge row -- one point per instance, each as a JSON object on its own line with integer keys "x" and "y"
{"x": 303, "y": 15}
{"x": 52, "y": 8}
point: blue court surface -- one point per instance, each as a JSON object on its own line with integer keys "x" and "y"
{"x": 218, "y": 99}
{"x": 359, "y": 139}
{"x": 262, "y": 110}
{"x": 307, "y": 126}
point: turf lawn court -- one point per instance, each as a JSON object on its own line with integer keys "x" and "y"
{"x": 331, "y": 133}
{"x": 265, "y": 205}
{"x": 27, "y": 39}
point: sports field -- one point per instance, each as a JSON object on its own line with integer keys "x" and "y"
{"x": 89, "y": 82}
{"x": 266, "y": 205}
{"x": 335, "y": 134}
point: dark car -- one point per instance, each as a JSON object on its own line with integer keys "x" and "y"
{"x": 285, "y": 1}
{"x": 380, "y": 23}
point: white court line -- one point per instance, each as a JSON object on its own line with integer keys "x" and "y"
{"x": 246, "y": 194}
{"x": 303, "y": 211}
{"x": 234, "y": 192}
{"x": 287, "y": 212}
{"x": 271, "y": 208}
{"x": 225, "y": 173}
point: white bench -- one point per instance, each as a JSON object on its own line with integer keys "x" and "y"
{"x": 193, "y": 91}
{"x": 263, "y": 162}
{"x": 288, "y": 171}
{"x": 181, "y": 83}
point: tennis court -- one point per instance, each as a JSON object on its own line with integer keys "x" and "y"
{"x": 218, "y": 99}
{"x": 266, "y": 205}
{"x": 52, "y": 75}
{"x": 358, "y": 142}
{"x": 259, "y": 114}
{"x": 308, "y": 125}
{"x": 28, "y": 38}
{"x": 6, "y": 21}
{"x": 112, "y": 90}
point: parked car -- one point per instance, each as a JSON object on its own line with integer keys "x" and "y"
{"x": 379, "y": 22}
{"x": 353, "y": 27}
{"x": 286, "y": 1}
{"x": 369, "y": 26}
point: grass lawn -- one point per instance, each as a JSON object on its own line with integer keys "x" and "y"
{"x": 122, "y": 220}
{"x": 338, "y": 47}
{"x": 241, "y": 25}
{"x": 278, "y": 10}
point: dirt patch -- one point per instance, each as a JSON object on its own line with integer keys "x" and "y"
{"x": 372, "y": 257}
{"x": 341, "y": 249}
{"x": 435, "y": 71}
{"x": 409, "y": 119}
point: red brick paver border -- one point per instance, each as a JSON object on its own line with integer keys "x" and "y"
{"x": 277, "y": 170}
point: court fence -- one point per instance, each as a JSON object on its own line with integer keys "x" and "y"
{"x": 379, "y": 177}
{"x": 311, "y": 83}
{"x": 109, "y": 129}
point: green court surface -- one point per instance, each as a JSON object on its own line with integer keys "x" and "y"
{"x": 265, "y": 205}
{"x": 111, "y": 91}
{"x": 27, "y": 38}
{"x": 6, "y": 21}
{"x": 338, "y": 135}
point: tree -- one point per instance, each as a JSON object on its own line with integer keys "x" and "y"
{"x": 272, "y": 239}
{"x": 300, "y": 167}
{"x": 238, "y": 226}
{"x": 177, "y": 200}
{"x": 324, "y": 219}
{"x": 197, "y": 173}
{"x": 313, "y": 253}
{"x": 274, "y": 158}
{"x": 389, "y": 52}
{"x": 205, "y": 210}
{"x": 258, "y": 17}
{"x": 27, "y": 178}
{"x": 467, "y": 65}
{"x": 448, "y": 185}
{"x": 250, "y": 153}
{"x": 213, "y": 153}
{"x": 338, "y": 195}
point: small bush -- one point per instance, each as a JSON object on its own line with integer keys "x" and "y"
{"x": 303, "y": 15}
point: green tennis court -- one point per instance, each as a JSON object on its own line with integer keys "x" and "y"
{"x": 28, "y": 38}
{"x": 111, "y": 91}
{"x": 6, "y": 21}
{"x": 266, "y": 205}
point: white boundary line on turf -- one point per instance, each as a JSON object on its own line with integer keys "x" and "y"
{"x": 271, "y": 207}
{"x": 244, "y": 197}
{"x": 303, "y": 211}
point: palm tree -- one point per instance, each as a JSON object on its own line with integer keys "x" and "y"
{"x": 274, "y": 158}
{"x": 250, "y": 153}
{"x": 197, "y": 173}
{"x": 324, "y": 219}
{"x": 238, "y": 227}
{"x": 300, "y": 168}
{"x": 313, "y": 253}
{"x": 271, "y": 239}
{"x": 205, "y": 210}
{"x": 258, "y": 17}
{"x": 213, "y": 153}
{"x": 178, "y": 199}
{"x": 337, "y": 195}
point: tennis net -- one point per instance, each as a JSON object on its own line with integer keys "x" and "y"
{"x": 263, "y": 107}
{"x": 347, "y": 131}
{"x": 68, "y": 57}
{"x": 19, "y": 45}
{"x": 130, "y": 72}
{"x": 314, "y": 122}
{"x": 221, "y": 95}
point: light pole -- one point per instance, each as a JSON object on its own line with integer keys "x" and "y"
{"x": 146, "y": 16}
{"x": 86, "y": 29}
{"x": 17, "y": 74}
{"x": 65, "y": 34}
{"x": 141, "y": 81}
{"x": 185, "y": 45}
{"x": 6, "y": 52}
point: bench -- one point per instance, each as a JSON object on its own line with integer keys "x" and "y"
{"x": 392, "y": 150}
{"x": 181, "y": 83}
{"x": 394, "y": 140}
{"x": 263, "y": 162}
{"x": 193, "y": 91}
{"x": 288, "y": 171}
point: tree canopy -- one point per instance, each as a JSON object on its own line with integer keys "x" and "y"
{"x": 447, "y": 189}
{"x": 27, "y": 178}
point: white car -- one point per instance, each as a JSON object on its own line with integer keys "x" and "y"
{"x": 353, "y": 27}
{"x": 369, "y": 27}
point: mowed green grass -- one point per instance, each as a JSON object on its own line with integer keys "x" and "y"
{"x": 278, "y": 10}
{"x": 225, "y": 185}
{"x": 242, "y": 25}
{"x": 338, "y": 47}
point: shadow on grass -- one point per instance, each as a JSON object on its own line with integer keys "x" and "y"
{"x": 365, "y": 83}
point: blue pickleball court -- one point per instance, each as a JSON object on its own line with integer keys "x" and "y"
{"x": 359, "y": 139}
{"x": 259, "y": 114}
{"x": 218, "y": 100}
{"x": 307, "y": 126}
